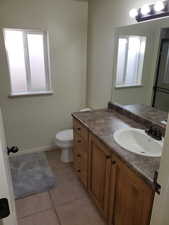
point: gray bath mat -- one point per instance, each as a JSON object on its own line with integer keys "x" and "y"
{"x": 31, "y": 174}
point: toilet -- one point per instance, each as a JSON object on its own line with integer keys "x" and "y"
{"x": 64, "y": 140}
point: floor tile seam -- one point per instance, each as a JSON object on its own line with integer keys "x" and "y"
{"x": 68, "y": 202}
{"x": 54, "y": 208}
{"x": 38, "y": 212}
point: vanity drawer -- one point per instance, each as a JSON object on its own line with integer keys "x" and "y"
{"x": 77, "y": 161}
{"x": 80, "y": 155}
{"x": 80, "y": 129}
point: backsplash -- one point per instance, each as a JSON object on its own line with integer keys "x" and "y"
{"x": 144, "y": 114}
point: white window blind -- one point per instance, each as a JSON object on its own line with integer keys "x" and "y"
{"x": 27, "y": 53}
{"x": 130, "y": 59}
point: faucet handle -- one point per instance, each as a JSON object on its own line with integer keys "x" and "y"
{"x": 155, "y": 132}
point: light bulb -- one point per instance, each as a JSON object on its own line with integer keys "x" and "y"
{"x": 145, "y": 9}
{"x": 133, "y": 13}
{"x": 159, "y": 6}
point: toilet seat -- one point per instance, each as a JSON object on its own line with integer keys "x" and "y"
{"x": 64, "y": 139}
{"x": 65, "y": 135}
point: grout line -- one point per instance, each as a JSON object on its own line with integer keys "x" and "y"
{"x": 54, "y": 208}
{"x": 40, "y": 211}
{"x": 70, "y": 201}
{"x": 32, "y": 214}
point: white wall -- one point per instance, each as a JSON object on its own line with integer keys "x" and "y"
{"x": 31, "y": 122}
{"x": 103, "y": 17}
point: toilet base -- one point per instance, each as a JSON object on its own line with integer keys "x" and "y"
{"x": 66, "y": 155}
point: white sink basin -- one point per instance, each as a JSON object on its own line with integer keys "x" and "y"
{"x": 137, "y": 141}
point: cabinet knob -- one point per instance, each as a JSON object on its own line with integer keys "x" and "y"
{"x": 113, "y": 162}
{"x": 78, "y": 128}
{"x": 108, "y": 157}
{"x": 79, "y": 141}
{"x": 78, "y": 155}
{"x": 78, "y": 171}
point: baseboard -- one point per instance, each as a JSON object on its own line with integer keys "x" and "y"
{"x": 34, "y": 150}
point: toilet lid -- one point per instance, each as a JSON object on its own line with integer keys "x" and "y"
{"x": 65, "y": 135}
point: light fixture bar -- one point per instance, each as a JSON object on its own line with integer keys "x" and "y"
{"x": 152, "y": 11}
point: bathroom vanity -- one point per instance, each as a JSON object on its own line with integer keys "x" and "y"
{"x": 122, "y": 184}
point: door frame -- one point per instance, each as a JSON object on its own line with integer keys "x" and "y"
{"x": 163, "y": 40}
{"x": 6, "y": 179}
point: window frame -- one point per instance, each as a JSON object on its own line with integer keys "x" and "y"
{"x": 139, "y": 81}
{"x": 46, "y": 47}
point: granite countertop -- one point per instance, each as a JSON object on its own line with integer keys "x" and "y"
{"x": 103, "y": 123}
{"x": 143, "y": 114}
{"x": 149, "y": 113}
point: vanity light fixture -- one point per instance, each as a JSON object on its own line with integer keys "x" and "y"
{"x": 159, "y": 6}
{"x": 145, "y": 10}
{"x": 151, "y": 11}
{"x": 133, "y": 13}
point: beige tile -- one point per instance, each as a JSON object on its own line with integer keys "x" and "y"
{"x": 46, "y": 218}
{"x": 79, "y": 212}
{"x": 43, "y": 218}
{"x": 33, "y": 204}
{"x": 54, "y": 159}
{"x": 26, "y": 221}
{"x": 65, "y": 175}
{"x": 68, "y": 191}
{"x": 53, "y": 154}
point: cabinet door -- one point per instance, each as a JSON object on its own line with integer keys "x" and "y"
{"x": 84, "y": 164}
{"x": 81, "y": 158}
{"x": 99, "y": 174}
{"x": 112, "y": 189}
{"x": 133, "y": 198}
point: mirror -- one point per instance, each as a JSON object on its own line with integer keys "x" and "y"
{"x": 141, "y": 64}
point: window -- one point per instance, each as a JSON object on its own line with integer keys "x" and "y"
{"x": 130, "y": 59}
{"x": 28, "y": 62}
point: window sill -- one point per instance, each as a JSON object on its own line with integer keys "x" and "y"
{"x": 32, "y": 93}
{"x": 128, "y": 86}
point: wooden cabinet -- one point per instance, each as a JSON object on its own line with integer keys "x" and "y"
{"x": 99, "y": 172}
{"x": 80, "y": 130}
{"x": 122, "y": 197}
{"x": 80, "y": 152}
{"x": 131, "y": 198}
